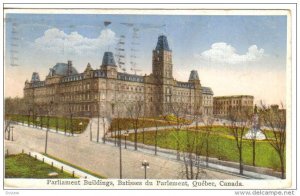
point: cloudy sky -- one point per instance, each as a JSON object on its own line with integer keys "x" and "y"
{"x": 233, "y": 54}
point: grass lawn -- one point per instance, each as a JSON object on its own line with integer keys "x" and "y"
{"x": 24, "y": 166}
{"x": 128, "y": 123}
{"x": 221, "y": 145}
{"x": 59, "y": 123}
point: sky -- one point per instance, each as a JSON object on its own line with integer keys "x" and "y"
{"x": 234, "y": 55}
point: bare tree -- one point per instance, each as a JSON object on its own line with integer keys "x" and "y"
{"x": 118, "y": 114}
{"x": 192, "y": 147}
{"x": 142, "y": 124}
{"x": 239, "y": 123}
{"x": 274, "y": 118}
{"x": 14, "y": 105}
{"x": 208, "y": 126}
{"x": 255, "y": 127}
{"x": 179, "y": 110}
{"x": 49, "y": 111}
{"x": 135, "y": 111}
{"x": 71, "y": 118}
{"x": 157, "y": 108}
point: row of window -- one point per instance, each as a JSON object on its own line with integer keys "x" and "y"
{"x": 79, "y": 97}
{"x": 82, "y": 87}
{"x": 209, "y": 102}
{"x": 131, "y": 88}
{"x": 250, "y": 102}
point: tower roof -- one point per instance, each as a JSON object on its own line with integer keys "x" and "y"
{"x": 108, "y": 59}
{"x": 35, "y": 77}
{"x": 194, "y": 75}
{"x": 162, "y": 43}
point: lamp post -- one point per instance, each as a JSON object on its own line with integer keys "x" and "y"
{"x": 145, "y": 165}
{"x": 126, "y": 134}
{"x": 12, "y": 133}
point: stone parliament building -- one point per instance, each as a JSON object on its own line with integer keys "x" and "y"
{"x": 107, "y": 92}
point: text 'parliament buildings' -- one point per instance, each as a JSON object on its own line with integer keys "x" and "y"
{"x": 110, "y": 93}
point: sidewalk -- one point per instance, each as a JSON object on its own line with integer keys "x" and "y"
{"x": 45, "y": 129}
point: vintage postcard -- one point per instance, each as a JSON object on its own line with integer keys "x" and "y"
{"x": 134, "y": 98}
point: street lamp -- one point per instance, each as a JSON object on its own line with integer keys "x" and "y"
{"x": 145, "y": 165}
{"x": 126, "y": 134}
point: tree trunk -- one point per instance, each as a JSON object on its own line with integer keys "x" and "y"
{"x": 135, "y": 139}
{"x": 56, "y": 124}
{"x": 177, "y": 144}
{"x": 71, "y": 125}
{"x": 28, "y": 119}
{"x": 155, "y": 142}
{"x": 65, "y": 126}
{"x": 241, "y": 160}
{"x": 282, "y": 166}
{"x": 143, "y": 136}
{"x": 191, "y": 165}
{"x": 41, "y": 122}
{"x": 253, "y": 151}
{"x": 206, "y": 152}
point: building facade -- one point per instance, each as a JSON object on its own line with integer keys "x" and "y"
{"x": 224, "y": 105}
{"x": 107, "y": 92}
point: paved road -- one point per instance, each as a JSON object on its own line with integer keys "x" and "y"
{"x": 98, "y": 157}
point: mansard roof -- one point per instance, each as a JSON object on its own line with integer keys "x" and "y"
{"x": 207, "y": 90}
{"x": 38, "y": 84}
{"x": 130, "y": 77}
{"x": 35, "y": 77}
{"x": 108, "y": 59}
{"x": 194, "y": 75}
{"x": 185, "y": 84}
{"x": 96, "y": 74}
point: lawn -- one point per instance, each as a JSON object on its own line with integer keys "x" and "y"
{"x": 57, "y": 123}
{"x": 24, "y": 166}
{"x": 128, "y": 123}
{"x": 221, "y": 145}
